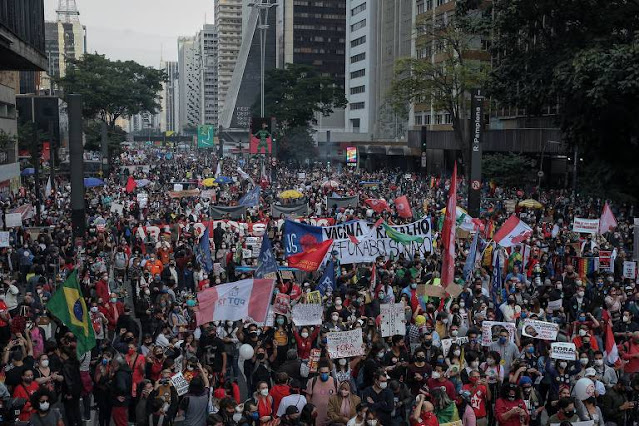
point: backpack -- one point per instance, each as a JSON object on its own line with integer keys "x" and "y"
{"x": 120, "y": 260}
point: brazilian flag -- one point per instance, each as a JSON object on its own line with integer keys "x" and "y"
{"x": 68, "y": 305}
{"x": 399, "y": 237}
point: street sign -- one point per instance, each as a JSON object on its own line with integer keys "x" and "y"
{"x": 206, "y": 136}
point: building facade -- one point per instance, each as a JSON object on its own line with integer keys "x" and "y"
{"x": 207, "y": 45}
{"x": 169, "y": 113}
{"x": 188, "y": 82}
{"x": 228, "y": 22}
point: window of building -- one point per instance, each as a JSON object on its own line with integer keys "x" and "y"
{"x": 358, "y": 9}
{"x": 358, "y": 89}
{"x": 438, "y": 119}
{"x": 358, "y": 41}
{"x": 358, "y": 73}
{"x": 427, "y": 119}
{"x": 420, "y": 8}
{"x": 358, "y": 25}
{"x": 357, "y": 105}
{"x": 418, "y": 120}
{"x": 358, "y": 57}
{"x": 355, "y": 124}
{"x": 448, "y": 118}
{"x": 429, "y": 4}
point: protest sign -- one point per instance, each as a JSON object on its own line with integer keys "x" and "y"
{"x": 629, "y": 269}
{"x": 117, "y": 208}
{"x": 555, "y": 305}
{"x": 247, "y": 253}
{"x": 356, "y": 242}
{"x": 282, "y": 304}
{"x": 313, "y": 360}
{"x": 431, "y": 290}
{"x": 314, "y": 297}
{"x": 13, "y": 220}
{"x": 143, "y": 199}
{"x": 560, "y": 350}
{"x": 605, "y": 261}
{"x": 180, "y": 384}
{"x": 345, "y": 344}
{"x": 393, "y": 321}
{"x": 540, "y": 329}
{"x": 447, "y": 343}
{"x": 307, "y": 314}
{"x": 4, "y": 239}
{"x": 586, "y": 226}
{"x": 301, "y": 175}
{"x": 490, "y": 331}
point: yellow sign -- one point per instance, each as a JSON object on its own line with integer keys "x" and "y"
{"x": 314, "y": 297}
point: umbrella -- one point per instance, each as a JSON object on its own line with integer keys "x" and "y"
{"x": 208, "y": 182}
{"x": 291, "y": 193}
{"x": 92, "y": 182}
{"x": 531, "y": 204}
{"x": 330, "y": 184}
{"x": 223, "y": 179}
{"x": 29, "y": 171}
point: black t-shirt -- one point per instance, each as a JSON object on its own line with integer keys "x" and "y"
{"x": 212, "y": 349}
{"x": 13, "y": 374}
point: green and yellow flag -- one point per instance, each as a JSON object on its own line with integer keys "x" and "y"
{"x": 399, "y": 237}
{"x": 68, "y": 305}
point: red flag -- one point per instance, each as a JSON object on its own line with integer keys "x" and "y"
{"x": 310, "y": 259}
{"x": 448, "y": 233}
{"x": 514, "y": 231}
{"x": 403, "y": 207}
{"x": 377, "y": 205}
{"x": 131, "y": 184}
{"x": 611, "y": 352}
{"x": 607, "y": 221}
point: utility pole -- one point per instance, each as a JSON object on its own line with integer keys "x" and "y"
{"x": 76, "y": 160}
{"x": 53, "y": 147}
{"x": 104, "y": 145}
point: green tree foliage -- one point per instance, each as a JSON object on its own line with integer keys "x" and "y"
{"x": 113, "y": 89}
{"x": 582, "y": 56}
{"x": 445, "y": 82}
{"x": 297, "y": 145}
{"x": 93, "y": 135}
{"x": 511, "y": 170}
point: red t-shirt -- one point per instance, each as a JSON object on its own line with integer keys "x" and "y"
{"x": 25, "y": 392}
{"x": 425, "y": 419}
{"x": 447, "y": 384}
{"x": 503, "y": 406}
{"x": 478, "y": 399}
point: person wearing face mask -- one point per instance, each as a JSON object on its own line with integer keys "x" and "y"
{"x": 264, "y": 403}
{"x": 566, "y": 412}
{"x": 481, "y": 396}
{"x": 380, "y": 398}
{"x": 194, "y": 404}
{"x": 510, "y": 409}
{"x": 99, "y": 322}
{"x": 211, "y": 351}
{"x": 27, "y": 387}
{"x": 304, "y": 340}
{"x": 532, "y": 399}
{"x": 507, "y": 350}
{"x": 396, "y": 360}
{"x": 439, "y": 379}
{"x": 629, "y": 351}
{"x": 335, "y": 323}
{"x": 623, "y": 329}
{"x": 137, "y": 364}
{"x": 441, "y": 325}
{"x": 319, "y": 389}
{"x": 113, "y": 309}
{"x": 606, "y": 374}
{"x": 342, "y": 406}
{"x": 419, "y": 371}
{"x": 44, "y": 414}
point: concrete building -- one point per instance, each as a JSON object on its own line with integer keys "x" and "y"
{"x": 22, "y": 49}
{"x": 169, "y": 110}
{"x": 65, "y": 40}
{"x": 228, "y": 22}
{"x": 207, "y": 45}
{"x": 188, "y": 82}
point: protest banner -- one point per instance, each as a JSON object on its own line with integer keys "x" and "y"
{"x": 356, "y": 242}
{"x": 393, "y": 321}
{"x": 490, "y": 331}
{"x": 447, "y": 343}
{"x": 282, "y": 304}
{"x": 307, "y": 314}
{"x": 314, "y": 297}
{"x": 185, "y": 193}
{"x": 629, "y": 269}
{"x": 560, "y": 350}
{"x": 180, "y": 384}
{"x": 345, "y": 344}
{"x": 540, "y": 329}
{"x": 605, "y": 261}
{"x": 142, "y": 199}
{"x": 117, "y": 208}
{"x": 13, "y": 220}
{"x": 313, "y": 360}
{"x": 431, "y": 290}
{"x": 585, "y": 226}
{"x": 555, "y": 305}
{"x": 4, "y": 239}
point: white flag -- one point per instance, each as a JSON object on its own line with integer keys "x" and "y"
{"x": 47, "y": 189}
{"x": 607, "y": 221}
{"x": 218, "y": 171}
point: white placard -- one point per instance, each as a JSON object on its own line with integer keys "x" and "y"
{"x": 540, "y": 329}
{"x": 178, "y": 187}
{"x": 247, "y": 253}
{"x": 447, "y": 343}
{"x": 393, "y": 321}
{"x": 586, "y": 226}
{"x": 143, "y": 199}
{"x": 487, "y": 328}
{"x": 180, "y": 384}
{"x": 629, "y": 269}
{"x": 4, "y": 239}
{"x": 13, "y": 220}
{"x": 117, "y": 208}
{"x": 345, "y": 344}
{"x": 560, "y": 350}
{"x": 307, "y": 314}
{"x": 555, "y": 305}
{"x": 301, "y": 175}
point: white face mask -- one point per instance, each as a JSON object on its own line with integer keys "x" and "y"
{"x": 474, "y": 364}
{"x": 626, "y": 318}
{"x": 454, "y": 333}
{"x": 383, "y": 385}
{"x": 94, "y": 309}
{"x": 371, "y": 422}
{"x": 599, "y": 362}
{"x": 44, "y": 363}
{"x": 582, "y": 332}
{"x": 264, "y": 392}
{"x": 44, "y": 406}
{"x": 304, "y": 334}
{"x": 334, "y": 317}
{"x": 435, "y": 375}
{"x": 338, "y": 302}
{"x": 237, "y": 417}
{"x": 342, "y": 362}
{"x": 457, "y": 352}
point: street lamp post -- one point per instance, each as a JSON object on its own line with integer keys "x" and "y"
{"x": 262, "y": 7}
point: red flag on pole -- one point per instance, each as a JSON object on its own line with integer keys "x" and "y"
{"x": 403, "y": 207}
{"x": 448, "y": 233}
{"x": 311, "y": 259}
{"x": 378, "y": 205}
{"x": 607, "y": 221}
{"x": 131, "y": 184}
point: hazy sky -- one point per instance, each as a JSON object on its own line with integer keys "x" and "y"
{"x": 142, "y": 30}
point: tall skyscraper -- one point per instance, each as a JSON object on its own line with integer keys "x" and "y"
{"x": 188, "y": 82}
{"x": 228, "y": 21}
{"x": 169, "y": 119}
{"x": 378, "y": 33}
{"x": 207, "y": 45}
{"x": 65, "y": 41}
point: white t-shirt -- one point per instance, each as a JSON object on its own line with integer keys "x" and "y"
{"x": 353, "y": 422}
{"x": 298, "y": 400}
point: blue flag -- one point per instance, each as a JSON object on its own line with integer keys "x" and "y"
{"x": 203, "y": 252}
{"x": 328, "y": 279}
{"x": 297, "y": 235}
{"x": 469, "y": 267}
{"x": 497, "y": 284}
{"x": 251, "y": 198}
{"x": 266, "y": 263}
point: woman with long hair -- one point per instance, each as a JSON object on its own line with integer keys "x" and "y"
{"x": 342, "y": 406}
{"x": 445, "y": 408}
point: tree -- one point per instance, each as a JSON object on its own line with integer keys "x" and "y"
{"x": 113, "y": 89}
{"x": 511, "y": 170}
{"x": 582, "y": 58}
{"x": 445, "y": 82}
{"x": 297, "y": 145}
{"x": 93, "y": 134}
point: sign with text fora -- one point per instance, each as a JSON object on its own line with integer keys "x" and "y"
{"x": 566, "y": 351}
{"x": 345, "y": 344}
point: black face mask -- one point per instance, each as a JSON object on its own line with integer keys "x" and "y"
{"x": 570, "y": 413}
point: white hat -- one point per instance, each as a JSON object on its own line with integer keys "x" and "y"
{"x": 590, "y": 372}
